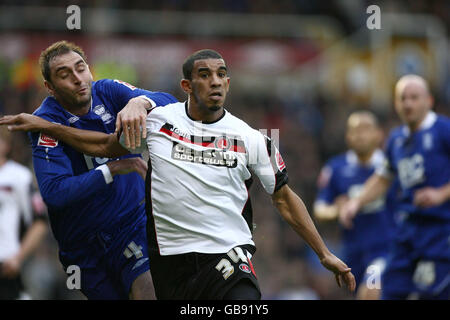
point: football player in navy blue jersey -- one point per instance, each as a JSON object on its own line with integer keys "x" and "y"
{"x": 96, "y": 205}
{"x": 365, "y": 243}
{"x": 418, "y": 154}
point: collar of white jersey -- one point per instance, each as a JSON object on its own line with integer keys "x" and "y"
{"x": 203, "y": 122}
{"x": 376, "y": 159}
{"x": 427, "y": 123}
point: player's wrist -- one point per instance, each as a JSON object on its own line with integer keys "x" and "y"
{"x": 145, "y": 102}
{"x": 324, "y": 254}
{"x": 358, "y": 203}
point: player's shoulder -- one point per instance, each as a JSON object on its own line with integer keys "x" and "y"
{"x": 102, "y": 83}
{"x": 167, "y": 110}
{"x": 241, "y": 125}
{"x": 442, "y": 122}
{"x": 338, "y": 160}
{"x": 397, "y": 132}
{"x": 50, "y": 110}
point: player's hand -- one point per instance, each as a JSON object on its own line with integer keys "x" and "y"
{"x": 129, "y": 165}
{"x": 10, "y": 267}
{"x": 131, "y": 119}
{"x": 341, "y": 271}
{"x": 340, "y": 201}
{"x": 23, "y": 122}
{"x": 429, "y": 197}
{"x": 348, "y": 211}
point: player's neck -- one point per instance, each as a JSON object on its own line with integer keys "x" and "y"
{"x": 415, "y": 126}
{"x": 364, "y": 158}
{"x": 203, "y": 114}
{"x": 78, "y": 110}
{"x": 3, "y": 160}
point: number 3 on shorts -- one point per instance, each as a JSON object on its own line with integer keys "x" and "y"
{"x": 225, "y": 265}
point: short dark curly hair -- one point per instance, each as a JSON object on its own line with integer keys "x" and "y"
{"x": 57, "y": 49}
{"x": 188, "y": 64}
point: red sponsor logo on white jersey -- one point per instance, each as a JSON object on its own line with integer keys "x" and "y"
{"x": 47, "y": 141}
{"x": 280, "y": 161}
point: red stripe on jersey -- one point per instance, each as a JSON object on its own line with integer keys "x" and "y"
{"x": 234, "y": 147}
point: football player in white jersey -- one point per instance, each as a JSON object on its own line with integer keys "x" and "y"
{"x": 16, "y": 210}
{"x": 202, "y": 160}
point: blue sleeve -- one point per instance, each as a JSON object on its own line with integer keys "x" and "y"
{"x": 388, "y": 165}
{"x": 58, "y": 185}
{"x": 119, "y": 93}
{"x": 445, "y": 134}
{"x": 326, "y": 185}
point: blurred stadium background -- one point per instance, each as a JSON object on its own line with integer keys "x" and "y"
{"x": 300, "y": 66}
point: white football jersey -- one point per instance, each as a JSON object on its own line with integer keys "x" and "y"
{"x": 15, "y": 202}
{"x": 198, "y": 180}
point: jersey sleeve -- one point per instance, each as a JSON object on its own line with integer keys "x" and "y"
{"x": 386, "y": 169}
{"x": 445, "y": 134}
{"x": 120, "y": 92}
{"x": 58, "y": 185}
{"x": 326, "y": 185}
{"x": 267, "y": 163}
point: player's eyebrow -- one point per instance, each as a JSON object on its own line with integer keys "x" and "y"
{"x": 203, "y": 69}
{"x": 65, "y": 67}
{"x": 208, "y": 69}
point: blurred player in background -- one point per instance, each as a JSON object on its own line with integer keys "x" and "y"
{"x": 96, "y": 205}
{"x": 23, "y": 221}
{"x": 200, "y": 168}
{"x": 366, "y": 240}
{"x": 418, "y": 153}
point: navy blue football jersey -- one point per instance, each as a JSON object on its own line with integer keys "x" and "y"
{"x": 80, "y": 201}
{"x": 345, "y": 175}
{"x": 418, "y": 160}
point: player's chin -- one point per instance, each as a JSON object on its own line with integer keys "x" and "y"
{"x": 81, "y": 100}
{"x": 215, "y": 107}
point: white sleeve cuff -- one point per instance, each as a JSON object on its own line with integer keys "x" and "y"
{"x": 152, "y": 103}
{"x": 106, "y": 173}
{"x": 384, "y": 172}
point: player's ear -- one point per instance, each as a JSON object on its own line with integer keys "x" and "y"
{"x": 48, "y": 85}
{"x": 430, "y": 101}
{"x": 380, "y": 137}
{"x": 186, "y": 85}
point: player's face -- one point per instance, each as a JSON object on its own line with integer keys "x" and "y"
{"x": 363, "y": 136}
{"x": 71, "y": 80}
{"x": 210, "y": 83}
{"x": 412, "y": 103}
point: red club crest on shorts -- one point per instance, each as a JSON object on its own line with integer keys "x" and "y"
{"x": 245, "y": 268}
{"x": 47, "y": 141}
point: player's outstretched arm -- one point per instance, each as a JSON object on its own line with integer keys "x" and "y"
{"x": 328, "y": 212}
{"x": 293, "y": 210}
{"x": 93, "y": 143}
{"x": 376, "y": 186}
{"x": 31, "y": 240}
